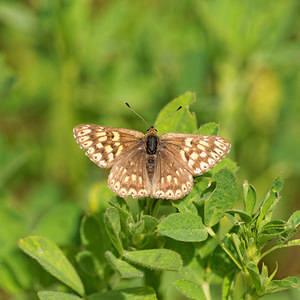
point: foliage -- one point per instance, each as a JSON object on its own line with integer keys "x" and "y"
{"x": 145, "y": 237}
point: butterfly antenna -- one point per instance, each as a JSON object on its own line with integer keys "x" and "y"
{"x": 136, "y": 113}
{"x": 180, "y": 107}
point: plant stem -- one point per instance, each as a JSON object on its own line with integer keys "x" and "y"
{"x": 272, "y": 249}
{"x": 152, "y": 278}
{"x": 212, "y": 234}
{"x": 206, "y": 290}
{"x": 156, "y": 207}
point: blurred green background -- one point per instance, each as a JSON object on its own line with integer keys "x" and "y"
{"x": 66, "y": 62}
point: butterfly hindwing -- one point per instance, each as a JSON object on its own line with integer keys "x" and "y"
{"x": 105, "y": 144}
{"x": 129, "y": 175}
{"x": 199, "y": 153}
{"x": 171, "y": 180}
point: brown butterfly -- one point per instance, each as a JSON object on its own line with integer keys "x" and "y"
{"x": 149, "y": 165}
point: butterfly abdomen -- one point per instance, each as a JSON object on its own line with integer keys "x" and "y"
{"x": 150, "y": 165}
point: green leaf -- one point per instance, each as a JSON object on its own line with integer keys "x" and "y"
{"x": 157, "y": 259}
{"x": 267, "y": 207}
{"x": 52, "y": 295}
{"x": 195, "y": 270}
{"x": 53, "y": 260}
{"x": 283, "y": 284}
{"x": 293, "y": 243}
{"x": 185, "y": 227}
{"x": 272, "y": 275}
{"x": 121, "y": 205}
{"x": 264, "y": 274}
{"x": 271, "y": 230}
{"x": 207, "y": 248}
{"x": 227, "y": 287}
{"x": 243, "y": 215}
{"x": 197, "y": 194}
{"x": 150, "y": 223}
{"x": 277, "y": 185}
{"x": 122, "y": 267}
{"x": 211, "y": 128}
{"x": 185, "y": 250}
{"x": 139, "y": 293}
{"x": 55, "y": 226}
{"x": 17, "y": 228}
{"x": 249, "y": 197}
{"x": 190, "y": 289}
{"x": 185, "y": 205}
{"x": 113, "y": 227}
{"x": 224, "y": 163}
{"x": 183, "y": 121}
{"x": 222, "y": 198}
{"x": 255, "y": 276}
{"x": 16, "y": 272}
{"x": 94, "y": 236}
{"x": 294, "y": 219}
{"x": 88, "y": 263}
{"x": 239, "y": 245}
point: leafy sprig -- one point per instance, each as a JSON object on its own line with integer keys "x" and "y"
{"x": 135, "y": 240}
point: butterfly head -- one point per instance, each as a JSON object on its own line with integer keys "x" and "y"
{"x": 151, "y": 131}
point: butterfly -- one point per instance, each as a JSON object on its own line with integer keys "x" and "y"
{"x": 149, "y": 165}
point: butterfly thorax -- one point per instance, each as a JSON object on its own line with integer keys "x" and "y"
{"x": 151, "y": 144}
{"x": 152, "y": 140}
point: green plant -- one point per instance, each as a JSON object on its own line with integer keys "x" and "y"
{"x": 128, "y": 244}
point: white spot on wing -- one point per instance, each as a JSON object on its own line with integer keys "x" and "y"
{"x": 204, "y": 165}
{"x": 84, "y": 131}
{"x": 200, "y": 147}
{"x": 211, "y": 161}
{"x": 182, "y": 155}
{"x": 188, "y": 142}
{"x": 169, "y": 178}
{"x": 203, "y": 154}
{"x": 194, "y": 155}
{"x": 220, "y": 145}
{"x": 97, "y": 156}
{"x": 204, "y": 143}
{"x": 191, "y": 163}
{"x": 84, "y": 138}
{"x": 87, "y": 144}
{"x": 116, "y": 136}
{"x": 214, "y": 155}
{"x": 220, "y": 152}
{"x": 102, "y": 138}
{"x": 108, "y": 149}
{"x": 101, "y": 133}
{"x": 110, "y": 157}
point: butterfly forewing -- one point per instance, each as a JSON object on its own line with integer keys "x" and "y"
{"x": 198, "y": 153}
{"x": 105, "y": 145}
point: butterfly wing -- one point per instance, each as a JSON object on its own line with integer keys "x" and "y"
{"x": 198, "y": 153}
{"x": 105, "y": 145}
{"x": 128, "y": 175}
{"x": 172, "y": 180}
